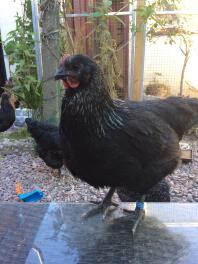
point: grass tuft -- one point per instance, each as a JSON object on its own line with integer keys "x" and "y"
{"x": 20, "y": 133}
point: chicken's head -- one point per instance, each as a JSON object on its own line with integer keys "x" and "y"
{"x": 75, "y": 71}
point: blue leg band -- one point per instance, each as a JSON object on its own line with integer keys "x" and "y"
{"x": 139, "y": 205}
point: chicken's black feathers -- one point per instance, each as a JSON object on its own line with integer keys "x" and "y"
{"x": 47, "y": 141}
{"x": 117, "y": 143}
{"x": 159, "y": 193}
{"x": 7, "y": 112}
{"x": 180, "y": 113}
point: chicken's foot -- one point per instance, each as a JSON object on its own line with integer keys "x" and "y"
{"x": 139, "y": 213}
{"x": 102, "y": 207}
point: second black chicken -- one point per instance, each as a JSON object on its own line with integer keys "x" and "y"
{"x": 47, "y": 140}
{"x": 7, "y": 112}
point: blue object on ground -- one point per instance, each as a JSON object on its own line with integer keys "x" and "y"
{"x": 33, "y": 196}
{"x": 140, "y": 205}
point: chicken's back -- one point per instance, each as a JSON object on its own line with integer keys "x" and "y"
{"x": 180, "y": 113}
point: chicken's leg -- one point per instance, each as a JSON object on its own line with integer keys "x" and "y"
{"x": 103, "y": 206}
{"x": 139, "y": 212}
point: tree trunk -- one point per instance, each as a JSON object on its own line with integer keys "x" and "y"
{"x": 50, "y": 58}
{"x": 183, "y": 73}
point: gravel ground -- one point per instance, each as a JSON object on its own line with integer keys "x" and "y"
{"x": 18, "y": 163}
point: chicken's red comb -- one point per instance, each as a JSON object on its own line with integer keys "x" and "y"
{"x": 64, "y": 57}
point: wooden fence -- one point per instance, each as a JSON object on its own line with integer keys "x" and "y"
{"x": 130, "y": 69}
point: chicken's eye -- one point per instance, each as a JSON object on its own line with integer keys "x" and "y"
{"x": 76, "y": 67}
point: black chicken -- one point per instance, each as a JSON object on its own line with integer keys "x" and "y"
{"x": 48, "y": 142}
{"x": 1, "y": 90}
{"x": 158, "y": 193}
{"x": 7, "y": 112}
{"x": 8, "y": 86}
{"x": 117, "y": 143}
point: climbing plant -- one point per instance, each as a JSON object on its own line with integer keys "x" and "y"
{"x": 105, "y": 52}
{"x": 149, "y": 15}
{"x": 20, "y": 48}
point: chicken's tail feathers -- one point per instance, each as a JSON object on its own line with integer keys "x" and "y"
{"x": 181, "y": 113}
{"x": 33, "y": 127}
{"x": 29, "y": 122}
{"x": 193, "y": 104}
{"x": 40, "y": 125}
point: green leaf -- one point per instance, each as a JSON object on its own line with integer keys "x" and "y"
{"x": 28, "y": 87}
{"x": 20, "y": 46}
{"x": 107, "y": 3}
{"x": 9, "y": 47}
{"x": 97, "y": 14}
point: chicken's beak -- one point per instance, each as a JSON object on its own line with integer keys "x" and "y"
{"x": 60, "y": 73}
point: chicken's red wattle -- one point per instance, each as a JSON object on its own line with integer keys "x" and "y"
{"x": 70, "y": 83}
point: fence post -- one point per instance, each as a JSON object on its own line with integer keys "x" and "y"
{"x": 138, "y": 66}
{"x": 50, "y": 58}
{"x": 37, "y": 38}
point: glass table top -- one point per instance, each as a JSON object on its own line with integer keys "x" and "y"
{"x": 56, "y": 233}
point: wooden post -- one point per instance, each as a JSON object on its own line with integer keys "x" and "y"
{"x": 138, "y": 66}
{"x": 50, "y": 58}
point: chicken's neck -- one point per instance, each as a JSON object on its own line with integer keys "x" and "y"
{"x": 90, "y": 111}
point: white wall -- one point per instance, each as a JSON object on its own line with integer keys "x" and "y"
{"x": 8, "y": 10}
{"x": 168, "y": 60}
